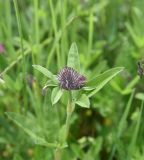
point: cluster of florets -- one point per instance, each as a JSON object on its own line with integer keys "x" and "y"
{"x": 70, "y": 79}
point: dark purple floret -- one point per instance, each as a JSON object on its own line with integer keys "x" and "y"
{"x": 70, "y": 79}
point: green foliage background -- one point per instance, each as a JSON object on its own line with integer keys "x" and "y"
{"x": 108, "y": 33}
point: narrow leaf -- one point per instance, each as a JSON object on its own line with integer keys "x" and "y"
{"x": 46, "y": 72}
{"x": 56, "y": 95}
{"x": 100, "y": 81}
{"x": 48, "y": 85}
{"x": 124, "y": 116}
{"x": 121, "y": 125}
{"x": 131, "y": 148}
{"x": 73, "y": 58}
{"x": 24, "y": 124}
{"x": 140, "y": 96}
{"x": 83, "y": 101}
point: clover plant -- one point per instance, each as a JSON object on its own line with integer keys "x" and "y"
{"x": 80, "y": 89}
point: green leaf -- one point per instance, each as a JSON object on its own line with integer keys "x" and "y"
{"x": 128, "y": 89}
{"x": 1, "y": 81}
{"x": 48, "y": 84}
{"x": 73, "y": 58}
{"x": 88, "y": 88}
{"x": 56, "y": 95}
{"x": 77, "y": 150}
{"x": 140, "y": 96}
{"x": 100, "y": 81}
{"x": 46, "y": 72}
{"x": 83, "y": 101}
{"x": 25, "y": 124}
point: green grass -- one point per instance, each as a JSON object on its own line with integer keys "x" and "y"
{"x": 108, "y": 35}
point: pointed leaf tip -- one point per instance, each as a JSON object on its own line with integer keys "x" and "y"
{"x": 73, "y": 57}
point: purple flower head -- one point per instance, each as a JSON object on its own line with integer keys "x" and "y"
{"x": 70, "y": 79}
{"x": 2, "y": 49}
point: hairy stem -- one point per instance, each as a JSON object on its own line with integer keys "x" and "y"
{"x": 57, "y": 154}
{"x": 69, "y": 111}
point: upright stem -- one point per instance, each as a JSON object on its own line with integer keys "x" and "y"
{"x": 57, "y": 154}
{"x": 69, "y": 111}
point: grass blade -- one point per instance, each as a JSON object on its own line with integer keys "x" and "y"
{"x": 24, "y": 124}
{"x": 132, "y": 145}
{"x": 122, "y": 123}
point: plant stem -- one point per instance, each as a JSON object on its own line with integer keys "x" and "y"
{"x": 20, "y": 34}
{"x": 57, "y": 154}
{"x": 69, "y": 111}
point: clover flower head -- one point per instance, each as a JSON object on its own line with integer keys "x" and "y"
{"x": 69, "y": 79}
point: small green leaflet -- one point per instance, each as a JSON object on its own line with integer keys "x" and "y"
{"x": 56, "y": 95}
{"x": 122, "y": 122}
{"x": 46, "y": 72}
{"x": 83, "y": 101}
{"x": 73, "y": 58}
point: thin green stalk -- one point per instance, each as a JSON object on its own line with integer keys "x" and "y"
{"x": 64, "y": 45}
{"x": 90, "y": 35}
{"x": 70, "y": 109}
{"x": 7, "y": 27}
{"x": 8, "y": 18}
{"x": 32, "y": 50}
{"x": 15, "y": 62}
{"x": 36, "y": 25}
{"x": 20, "y": 57}
{"x": 55, "y": 32}
{"x": 20, "y": 34}
{"x": 132, "y": 145}
{"x": 22, "y": 47}
{"x": 54, "y": 46}
{"x": 122, "y": 124}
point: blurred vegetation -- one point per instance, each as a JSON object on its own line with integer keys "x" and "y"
{"x": 108, "y": 33}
